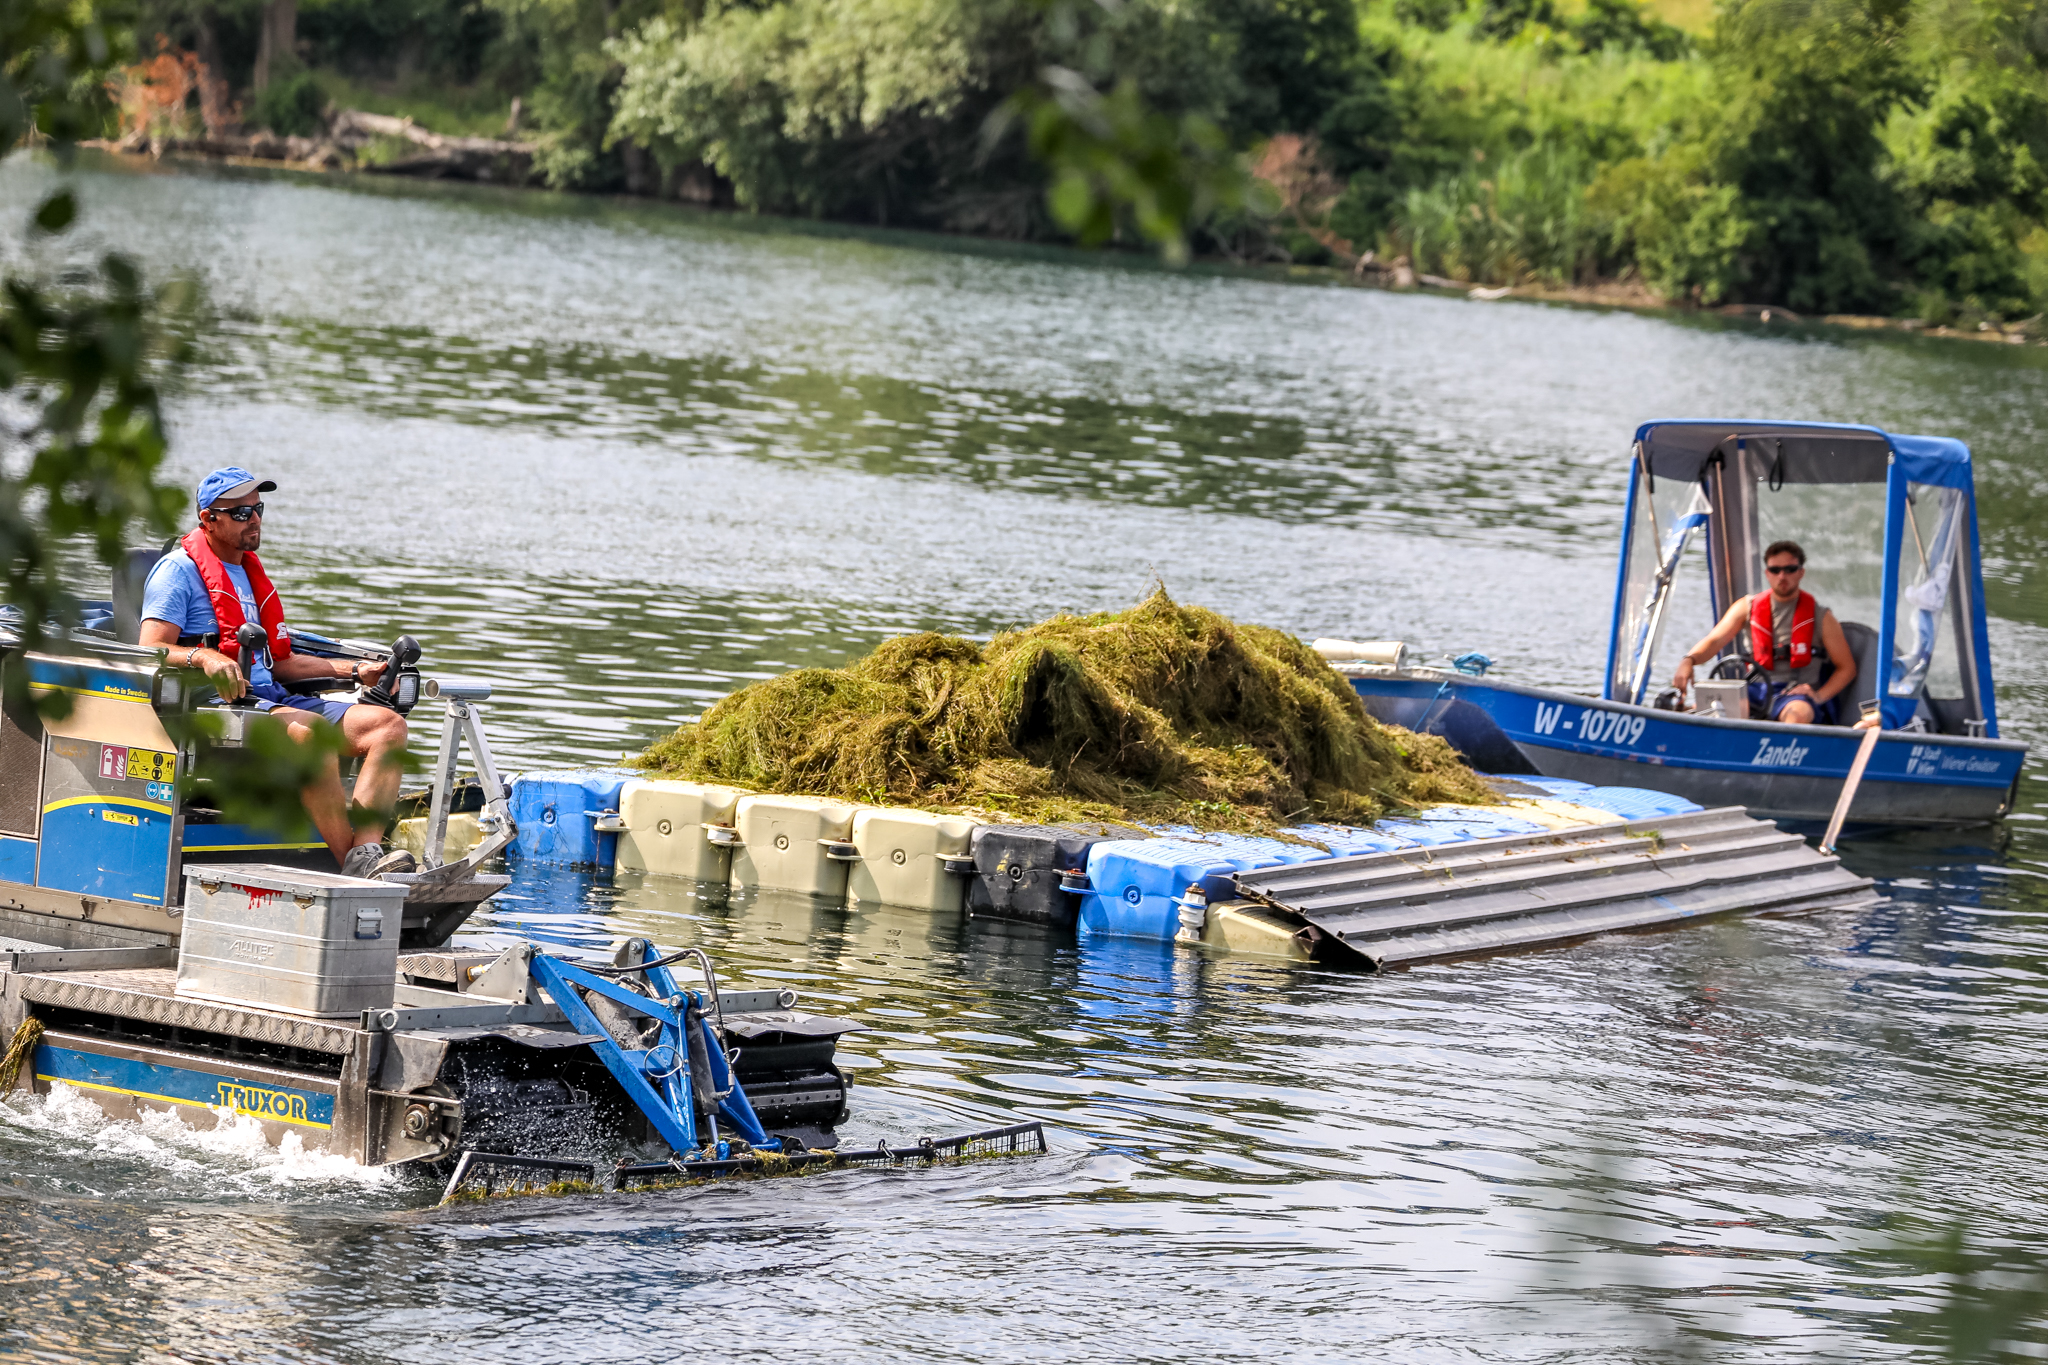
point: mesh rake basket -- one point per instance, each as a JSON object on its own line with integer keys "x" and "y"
{"x": 1018, "y": 1139}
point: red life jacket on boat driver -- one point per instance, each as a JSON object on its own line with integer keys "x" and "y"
{"x": 1763, "y": 632}
{"x": 227, "y": 603}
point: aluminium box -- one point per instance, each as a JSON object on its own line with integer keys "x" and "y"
{"x": 278, "y": 938}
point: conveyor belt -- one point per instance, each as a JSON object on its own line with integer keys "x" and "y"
{"x": 1525, "y": 891}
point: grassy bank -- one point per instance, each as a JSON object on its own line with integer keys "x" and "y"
{"x": 1871, "y": 157}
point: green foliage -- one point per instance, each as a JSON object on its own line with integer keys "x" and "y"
{"x": 293, "y": 104}
{"x": 1624, "y": 26}
{"x": 80, "y": 358}
{"x": 1113, "y": 154}
{"x": 1829, "y": 155}
{"x": 455, "y": 111}
{"x": 1865, "y": 155}
{"x": 1687, "y": 235}
{"x": 258, "y": 781}
{"x": 1526, "y": 217}
{"x": 52, "y": 58}
{"x": 797, "y": 103}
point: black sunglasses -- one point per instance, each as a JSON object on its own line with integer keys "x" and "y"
{"x": 242, "y": 513}
{"x": 1768, "y": 568}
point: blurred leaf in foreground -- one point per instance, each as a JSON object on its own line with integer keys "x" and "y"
{"x": 1111, "y": 155}
{"x": 82, "y": 434}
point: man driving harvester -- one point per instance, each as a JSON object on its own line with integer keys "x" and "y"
{"x": 1774, "y": 632}
{"x": 201, "y": 593}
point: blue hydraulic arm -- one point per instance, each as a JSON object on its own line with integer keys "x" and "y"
{"x": 658, "y": 1078}
{"x": 732, "y": 1099}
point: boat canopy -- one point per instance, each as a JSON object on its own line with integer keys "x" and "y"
{"x": 1889, "y": 526}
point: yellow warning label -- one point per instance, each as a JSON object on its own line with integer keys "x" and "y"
{"x": 147, "y": 765}
{"x": 119, "y": 817}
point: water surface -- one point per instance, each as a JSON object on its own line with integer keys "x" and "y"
{"x": 621, "y": 459}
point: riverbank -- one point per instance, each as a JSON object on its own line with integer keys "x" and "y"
{"x": 497, "y": 163}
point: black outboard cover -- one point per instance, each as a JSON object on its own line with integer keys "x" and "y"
{"x": 783, "y": 1059}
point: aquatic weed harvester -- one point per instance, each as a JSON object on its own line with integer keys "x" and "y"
{"x": 154, "y": 957}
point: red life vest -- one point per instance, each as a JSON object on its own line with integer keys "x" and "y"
{"x": 227, "y": 603}
{"x": 1763, "y": 634}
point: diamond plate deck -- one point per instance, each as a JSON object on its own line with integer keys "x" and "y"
{"x": 146, "y": 995}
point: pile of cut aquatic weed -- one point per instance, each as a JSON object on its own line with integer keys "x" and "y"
{"x": 1161, "y": 714}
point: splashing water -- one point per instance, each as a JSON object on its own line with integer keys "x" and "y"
{"x": 233, "y": 1157}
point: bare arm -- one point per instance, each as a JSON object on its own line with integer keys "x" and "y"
{"x": 1715, "y": 641}
{"x": 226, "y": 675}
{"x": 222, "y": 671}
{"x": 297, "y": 667}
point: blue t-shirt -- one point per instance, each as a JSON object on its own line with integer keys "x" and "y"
{"x": 176, "y": 593}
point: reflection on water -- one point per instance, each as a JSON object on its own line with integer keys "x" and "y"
{"x": 621, "y": 459}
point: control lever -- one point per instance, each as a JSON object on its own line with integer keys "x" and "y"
{"x": 252, "y": 643}
{"x": 399, "y": 688}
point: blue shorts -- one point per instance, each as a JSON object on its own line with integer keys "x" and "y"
{"x": 331, "y": 711}
{"x": 1771, "y": 696}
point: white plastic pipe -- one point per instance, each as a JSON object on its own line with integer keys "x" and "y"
{"x": 1392, "y": 653}
{"x": 1863, "y": 752}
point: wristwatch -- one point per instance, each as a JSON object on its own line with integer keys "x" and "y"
{"x": 355, "y": 674}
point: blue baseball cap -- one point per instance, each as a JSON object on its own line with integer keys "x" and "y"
{"x": 230, "y": 482}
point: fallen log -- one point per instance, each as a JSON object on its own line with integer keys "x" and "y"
{"x": 440, "y": 156}
{"x": 355, "y": 140}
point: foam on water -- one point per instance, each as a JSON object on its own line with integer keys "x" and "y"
{"x": 231, "y": 1157}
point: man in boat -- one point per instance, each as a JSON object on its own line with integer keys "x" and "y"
{"x": 1775, "y": 633}
{"x": 202, "y": 592}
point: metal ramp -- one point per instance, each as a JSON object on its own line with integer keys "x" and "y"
{"x": 1529, "y": 891}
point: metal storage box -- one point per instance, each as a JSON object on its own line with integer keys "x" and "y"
{"x": 312, "y": 943}
{"x": 1721, "y": 697}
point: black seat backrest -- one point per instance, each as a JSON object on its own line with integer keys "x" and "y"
{"x": 129, "y": 576}
{"x": 1863, "y": 645}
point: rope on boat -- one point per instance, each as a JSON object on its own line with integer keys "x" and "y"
{"x": 25, "y": 1039}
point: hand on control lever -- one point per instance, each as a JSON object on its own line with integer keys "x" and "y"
{"x": 371, "y": 670}
{"x": 225, "y": 675}
{"x": 392, "y": 689}
{"x": 252, "y": 644}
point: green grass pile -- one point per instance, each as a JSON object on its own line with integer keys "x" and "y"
{"x": 1162, "y": 713}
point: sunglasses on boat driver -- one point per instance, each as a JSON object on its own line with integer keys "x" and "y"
{"x": 1768, "y": 568}
{"x": 242, "y": 513}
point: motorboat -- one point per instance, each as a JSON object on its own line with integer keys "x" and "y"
{"x": 1889, "y": 525}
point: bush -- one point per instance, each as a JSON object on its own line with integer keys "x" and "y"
{"x": 293, "y": 104}
{"x": 1688, "y": 236}
{"x": 1527, "y": 218}
{"x": 1623, "y": 26}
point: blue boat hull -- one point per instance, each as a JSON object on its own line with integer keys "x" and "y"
{"x": 1781, "y": 772}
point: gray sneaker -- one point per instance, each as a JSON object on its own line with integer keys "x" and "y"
{"x": 370, "y": 861}
{"x": 397, "y": 860}
{"x": 360, "y": 859}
